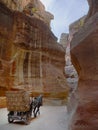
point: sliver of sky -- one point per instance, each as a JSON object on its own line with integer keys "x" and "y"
{"x": 65, "y": 12}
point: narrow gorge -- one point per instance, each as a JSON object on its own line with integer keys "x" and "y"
{"x": 32, "y": 59}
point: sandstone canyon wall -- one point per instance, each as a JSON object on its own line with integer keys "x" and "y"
{"x": 30, "y": 57}
{"x": 84, "y": 54}
{"x": 16, "y": 4}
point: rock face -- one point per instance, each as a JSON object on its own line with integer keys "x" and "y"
{"x": 70, "y": 72}
{"x": 15, "y": 4}
{"x": 84, "y": 53}
{"x": 30, "y": 57}
{"x": 36, "y": 9}
{"x": 5, "y": 47}
{"x": 75, "y": 26}
{"x": 64, "y": 40}
{"x": 32, "y": 8}
{"x": 93, "y": 8}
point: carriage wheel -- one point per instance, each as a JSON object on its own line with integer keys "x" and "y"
{"x": 10, "y": 120}
{"x": 27, "y": 120}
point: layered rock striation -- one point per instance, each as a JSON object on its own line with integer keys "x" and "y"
{"x": 16, "y": 4}
{"x": 30, "y": 57}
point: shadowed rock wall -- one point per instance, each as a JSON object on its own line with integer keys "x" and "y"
{"x": 84, "y": 53}
{"x": 6, "y": 28}
{"x": 93, "y": 8}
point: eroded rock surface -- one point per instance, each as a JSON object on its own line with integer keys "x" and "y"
{"x": 16, "y": 4}
{"x": 70, "y": 72}
{"x": 84, "y": 53}
{"x": 36, "y": 9}
{"x": 93, "y": 8}
{"x": 30, "y": 57}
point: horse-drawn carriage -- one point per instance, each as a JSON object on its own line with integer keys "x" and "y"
{"x": 20, "y": 106}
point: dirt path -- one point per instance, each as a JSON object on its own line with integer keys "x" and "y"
{"x": 51, "y": 118}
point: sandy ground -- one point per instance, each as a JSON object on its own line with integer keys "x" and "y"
{"x": 50, "y": 118}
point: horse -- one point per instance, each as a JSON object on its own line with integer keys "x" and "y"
{"x": 36, "y": 103}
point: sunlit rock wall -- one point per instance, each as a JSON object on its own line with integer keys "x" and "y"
{"x": 15, "y": 4}
{"x": 39, "y": 59}
{"x": 70, "y": 72}
{"x": 30, "y": 57}
{"x": 84, "y": 53}
{"x": 36, "y": 9}
{"x": 64, "y": 40}
{"x": 32, "y": 8}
